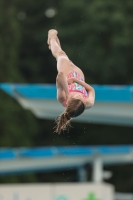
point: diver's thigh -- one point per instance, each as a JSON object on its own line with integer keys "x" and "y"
{"x": 64, "y": 65}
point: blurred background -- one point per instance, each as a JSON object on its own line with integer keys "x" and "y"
{"x": 98, "y": 37}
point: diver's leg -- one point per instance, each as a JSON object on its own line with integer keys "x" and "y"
{"x": 63, "y": 62}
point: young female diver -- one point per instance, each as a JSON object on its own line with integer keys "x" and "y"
{"x": 72, "y": 91}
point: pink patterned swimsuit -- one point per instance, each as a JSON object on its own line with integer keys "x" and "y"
{"x": 76, "y": 87}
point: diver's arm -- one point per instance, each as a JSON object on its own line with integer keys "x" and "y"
{"x": 61, "y": 83}
{"x": 84, "y": 84}
{"x": 90, "y": 99}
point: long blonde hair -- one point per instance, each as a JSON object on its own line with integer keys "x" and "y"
{"x": 75, "y": 107}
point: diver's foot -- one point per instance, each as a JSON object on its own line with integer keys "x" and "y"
{"x": 52, "y": 33}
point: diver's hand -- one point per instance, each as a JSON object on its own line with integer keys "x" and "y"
{"x": 71, "y": 80}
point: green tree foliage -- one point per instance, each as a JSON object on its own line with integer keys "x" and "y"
{"x": 11, "y": 118}
{"x": 9, "y": 42}
{"x": 37, "y": 64}
{"x": 97, "y": 35}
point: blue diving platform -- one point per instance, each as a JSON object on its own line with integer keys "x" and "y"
{"x": 113, "y": 105}
{"x": 57, "y": 158}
